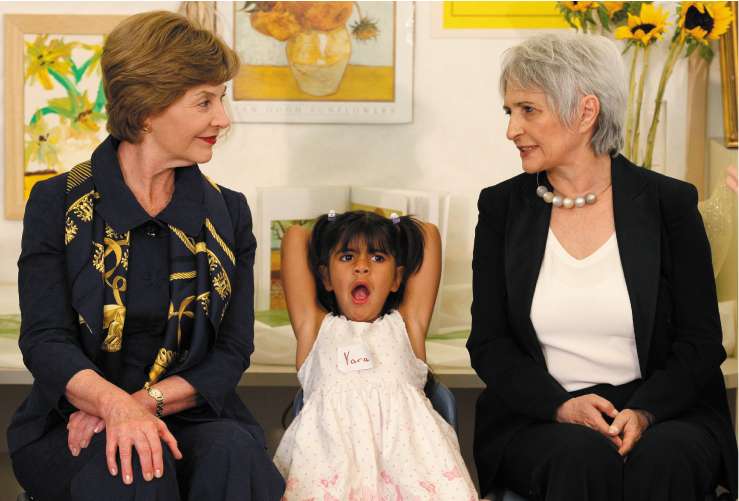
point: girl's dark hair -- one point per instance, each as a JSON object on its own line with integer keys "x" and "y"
{"x": 402, "y": 240}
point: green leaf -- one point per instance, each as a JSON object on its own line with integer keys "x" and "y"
{"x": 84, "y": 67}
{"x": 100, "y": 98}
{"x": 620, "y": 16}
{"x": 691, "y": 48}
{"x": 49, "y": 110}
{"x": 568, "y": 18}
{"x": 603, "y": 15}
{"x": 706, "y": 52}
{"x": 588, "y": 17}
{"x": 75, "y": 71}
{"x": 675, "y": 35}
{"x": 629, "y": 45}
{"x": 633, "y": 7}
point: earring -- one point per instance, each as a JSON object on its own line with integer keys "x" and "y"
{"x": 145, "y": 129}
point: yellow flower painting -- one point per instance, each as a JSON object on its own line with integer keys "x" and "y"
{"x": 315, "y": 51}
{"x": 64, "y": 105}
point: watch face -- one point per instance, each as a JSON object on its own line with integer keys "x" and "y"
{"x": 154, "y": 392}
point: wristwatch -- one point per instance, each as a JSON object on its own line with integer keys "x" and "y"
{"x": 158, "y": 396}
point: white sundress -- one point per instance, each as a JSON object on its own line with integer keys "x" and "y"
{"x": 366, "y": 431}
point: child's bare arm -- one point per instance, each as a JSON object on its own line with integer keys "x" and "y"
{"x": 303, "y": 307}
{"x": 421, "y": 290}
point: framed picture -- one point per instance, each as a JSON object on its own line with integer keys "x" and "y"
{"x": 728, "y": 81}
{"x": 494, "y": 19}
{"x": 54, "y": 101}
{"x": 321, "y": 62}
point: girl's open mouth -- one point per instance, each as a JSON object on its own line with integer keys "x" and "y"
{"x": 360, "y": 294}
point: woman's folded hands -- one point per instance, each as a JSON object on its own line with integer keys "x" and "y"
{"x": 589, "y": 410}
{"x": 130, "y": 425}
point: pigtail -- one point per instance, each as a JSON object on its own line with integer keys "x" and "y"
{"x": 411, "y": 243}
{"x": 319, "y": 250}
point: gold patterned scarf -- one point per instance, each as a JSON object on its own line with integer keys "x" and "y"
{"x": 200, "y": 273}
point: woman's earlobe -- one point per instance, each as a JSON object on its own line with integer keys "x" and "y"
{"x": 590, "y": 108}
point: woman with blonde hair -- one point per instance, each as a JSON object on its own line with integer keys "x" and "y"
{"x": 136, "y": 293}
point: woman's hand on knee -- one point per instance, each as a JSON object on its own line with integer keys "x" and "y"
{"x": 629, "y": 424}
{"x": 81, "y": 427}
{"x": 131, "y": 426}
{"x": 588, "y": 410}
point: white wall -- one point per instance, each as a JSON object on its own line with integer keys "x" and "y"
{"x": 456, "y": 141}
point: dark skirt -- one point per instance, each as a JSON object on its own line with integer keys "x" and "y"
{"x": 222, "y": 460}
{"x": 675, "y": 460}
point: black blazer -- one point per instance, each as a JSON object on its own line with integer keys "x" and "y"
{"x": 50, "y": 337}
{"x": 666, "y": 262}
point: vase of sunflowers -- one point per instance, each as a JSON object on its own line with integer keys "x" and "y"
{"x": 641, "y": 25}
{"x": 318, "y": 44}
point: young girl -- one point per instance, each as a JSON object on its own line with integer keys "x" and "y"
{"x": 360, "y": 292}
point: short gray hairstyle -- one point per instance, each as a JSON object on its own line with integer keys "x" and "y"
{"x": 567, "y": 67}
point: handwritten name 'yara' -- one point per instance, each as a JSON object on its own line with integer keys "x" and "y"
{"x": 352, "y": 361}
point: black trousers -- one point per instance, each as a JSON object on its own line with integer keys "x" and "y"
{"x": 675, "y": 460}
{"x": 222, "y": 461}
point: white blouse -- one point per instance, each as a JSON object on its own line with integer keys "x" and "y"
{"x": 582, "y": 316}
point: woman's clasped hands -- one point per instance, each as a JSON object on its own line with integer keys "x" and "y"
{"x": 129, "y": 425}
{"x": 625, "y": 430}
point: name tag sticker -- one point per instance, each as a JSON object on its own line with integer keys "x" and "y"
{"x": 354, "y": 357}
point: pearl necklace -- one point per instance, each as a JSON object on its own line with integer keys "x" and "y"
{"x": 566, "y": 202}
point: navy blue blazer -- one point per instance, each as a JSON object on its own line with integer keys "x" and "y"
{"x": 666, "y": 262}
{"x": 51, "y": 335}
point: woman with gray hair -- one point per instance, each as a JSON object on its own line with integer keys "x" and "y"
{"x": 595, "y": 324}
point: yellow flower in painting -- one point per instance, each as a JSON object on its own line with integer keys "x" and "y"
{"x": 41, "y": 57}
{"x": 78, "y": 132}
{"x": 705, "y": 21}
{"x": 42, "y": 144}
{"x": 647, "y": 27}
{"x": 84, "y": 123}
{"x": 365, "y": 29}
{"x": 276, "y": 23}
{"x": 613, "y": 7}
{"x": 579, "y": 6}
{"x": 94, "y": 62}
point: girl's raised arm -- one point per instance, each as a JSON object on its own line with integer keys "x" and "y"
{"x": 306, "y": 313}
{"x": 420, "y": 291}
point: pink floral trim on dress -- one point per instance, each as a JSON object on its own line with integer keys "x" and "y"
{"x": 364, "y": 493}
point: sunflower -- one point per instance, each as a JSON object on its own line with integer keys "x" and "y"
{"x": 613, "y": 7}
{"x": 40, "y": 58}
{"x": 579, "y": 6}
{"x": 705, "y": 21}
{"x": 42, "y": 144}
{"x": 647, "y": 27}
{"x": 365, "y": 29}
{"x": 274, "y": 20}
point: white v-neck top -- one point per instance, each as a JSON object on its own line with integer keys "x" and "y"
{"x": 582, "y": 317}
